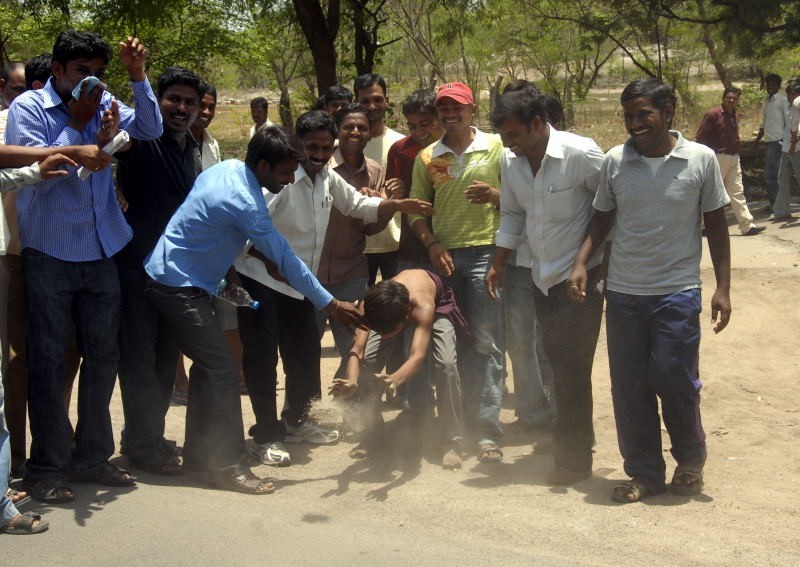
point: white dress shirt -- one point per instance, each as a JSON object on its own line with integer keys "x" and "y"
{"x": 551, "y": 209}
{"x": 300, "y": 212}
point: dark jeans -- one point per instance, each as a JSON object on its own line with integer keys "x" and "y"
{"x": 148, "y": 357}
{"x": 653, "y": 352}
{"x": 386, "y": 262}
{"x": 214, "y": 431}
{"x": 289, "y": 325}
{"x": 55, "y": 293}
{"x": 569, "y": 337}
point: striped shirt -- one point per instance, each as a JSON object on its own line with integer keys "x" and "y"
{"x": 441, "y": 177}
{"x": 70, "y": 219}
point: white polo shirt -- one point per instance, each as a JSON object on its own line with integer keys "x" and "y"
{"x": 774, "y": 117}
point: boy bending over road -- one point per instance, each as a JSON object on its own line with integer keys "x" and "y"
{"x": 415, "y": 298}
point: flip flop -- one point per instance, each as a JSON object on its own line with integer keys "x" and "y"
{"x": 17, "y": 498}
{"x": 25, "y": 524}
{"x": 630, "y": 491}
{"x": 490, "y": 453}
{"x": 687, "y": 480}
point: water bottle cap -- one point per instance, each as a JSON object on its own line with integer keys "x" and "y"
{"x": 255, "y": 305}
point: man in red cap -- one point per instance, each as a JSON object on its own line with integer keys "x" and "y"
{"x": 461, "y": 172}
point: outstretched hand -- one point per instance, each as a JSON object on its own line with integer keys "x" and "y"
{"x": 133, "y": 55}
{"x": 347, "y": 314}
{"x": 415, "y": 207}
{"x": 54, "y": 166}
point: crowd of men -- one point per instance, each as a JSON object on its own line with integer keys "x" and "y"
{"x": 485, "y": 244}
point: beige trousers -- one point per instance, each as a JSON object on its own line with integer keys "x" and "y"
{"x": 731, "y": 170}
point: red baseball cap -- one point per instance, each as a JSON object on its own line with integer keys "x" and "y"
{"x": 458, "y": 92}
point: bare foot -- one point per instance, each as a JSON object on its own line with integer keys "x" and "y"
{"x": 358, "y": 452}
{"x": 451, "y": 459}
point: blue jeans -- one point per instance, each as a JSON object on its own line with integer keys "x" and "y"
{"x": 790, "y": 165}
{"x": 342, "y": 336}
{"x": 214, "y": 430}
{"x": 533, "y": 377}
{"x": 772, "y": 163}
{"x": 653, "y": 353}
{"x": 55, "y": 293}
{"x": 480, "y": 363}
{"x": 7, "y": 508}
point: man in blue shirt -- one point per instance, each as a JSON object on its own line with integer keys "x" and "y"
{"x": 70, "y": 229}
{"x": 224, "y": 210}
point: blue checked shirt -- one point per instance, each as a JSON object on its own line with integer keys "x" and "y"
{"x": 70, "y": 219}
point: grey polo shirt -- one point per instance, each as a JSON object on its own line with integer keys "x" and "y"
{"x": 656, "y": 241}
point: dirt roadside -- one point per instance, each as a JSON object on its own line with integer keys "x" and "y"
{"x": 329, "y": 510}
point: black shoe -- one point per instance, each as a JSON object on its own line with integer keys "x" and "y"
{"x": 755, "y": 230}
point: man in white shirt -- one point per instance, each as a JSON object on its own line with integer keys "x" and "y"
{"x": 772, "y": 127}
{"x": 548, "y": 183}
{"x": 381, "y": 249}
{"x": 286, "y": 319}
{"x": 259, "y": 112}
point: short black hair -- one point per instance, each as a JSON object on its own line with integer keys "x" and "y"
{"x": 731, "y": 89}
{"x": 275, "y": 145}
{"x": 793, "y": 88}
{"x": 178, "y": 76}
{"x": 10, "y": 68}
{"x": 313, "y": 121}
{"x": 421, "y": 101}
{"x": 207, "y": 88}
{"x": 520, "y": 104}
{"x": 659, "y": 93}
{"x": 367, "y": 80}
{"x": 336, "y": 92}
{"x": 38, "y": 68}
{"x": 522, "y": 85}
{"x": 259, "y": 102}
{"x": 773, "y": 78}
{"x": 386, "y": 305}
{"x": 74, "y": 44}
{"x": 555, "y": 112}
{"x": 351, "y": 108}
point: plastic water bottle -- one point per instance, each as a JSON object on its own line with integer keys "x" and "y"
{"x": 236, "y": 294}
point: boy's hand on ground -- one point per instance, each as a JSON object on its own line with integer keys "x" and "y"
{"x": 343, "y": 388}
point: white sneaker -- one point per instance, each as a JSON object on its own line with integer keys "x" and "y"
{"x": 272, "y": 454}
{"x": 311, "y": 432}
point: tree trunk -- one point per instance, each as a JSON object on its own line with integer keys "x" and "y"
{"x": 711, "y": 46}
{"x": 320, "y": 30}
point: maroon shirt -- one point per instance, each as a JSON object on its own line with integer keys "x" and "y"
{"x": 719, "y": 131}
{"x": 400, "y": 164}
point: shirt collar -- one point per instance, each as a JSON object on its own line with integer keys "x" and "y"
{"x": 49, "y": 94}
{"x": 554, "y": 147}
{"x": 337, "y": 159}
{"x": 300, "y": 174}
{"x": 479, "y": 144}
{"x": 681, "y": 151}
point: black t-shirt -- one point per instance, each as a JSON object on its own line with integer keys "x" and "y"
{"x": 155, "y": 176}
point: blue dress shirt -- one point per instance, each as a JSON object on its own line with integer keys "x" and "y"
{"x": 224, "y": 209}
{"x": 67, "y": 218}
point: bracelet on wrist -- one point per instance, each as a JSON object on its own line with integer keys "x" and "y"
{"x": 431, "y": 243}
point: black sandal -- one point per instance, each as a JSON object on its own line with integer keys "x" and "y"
{"x": 108, "y": 475}
{"x": 51, "y": 491}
